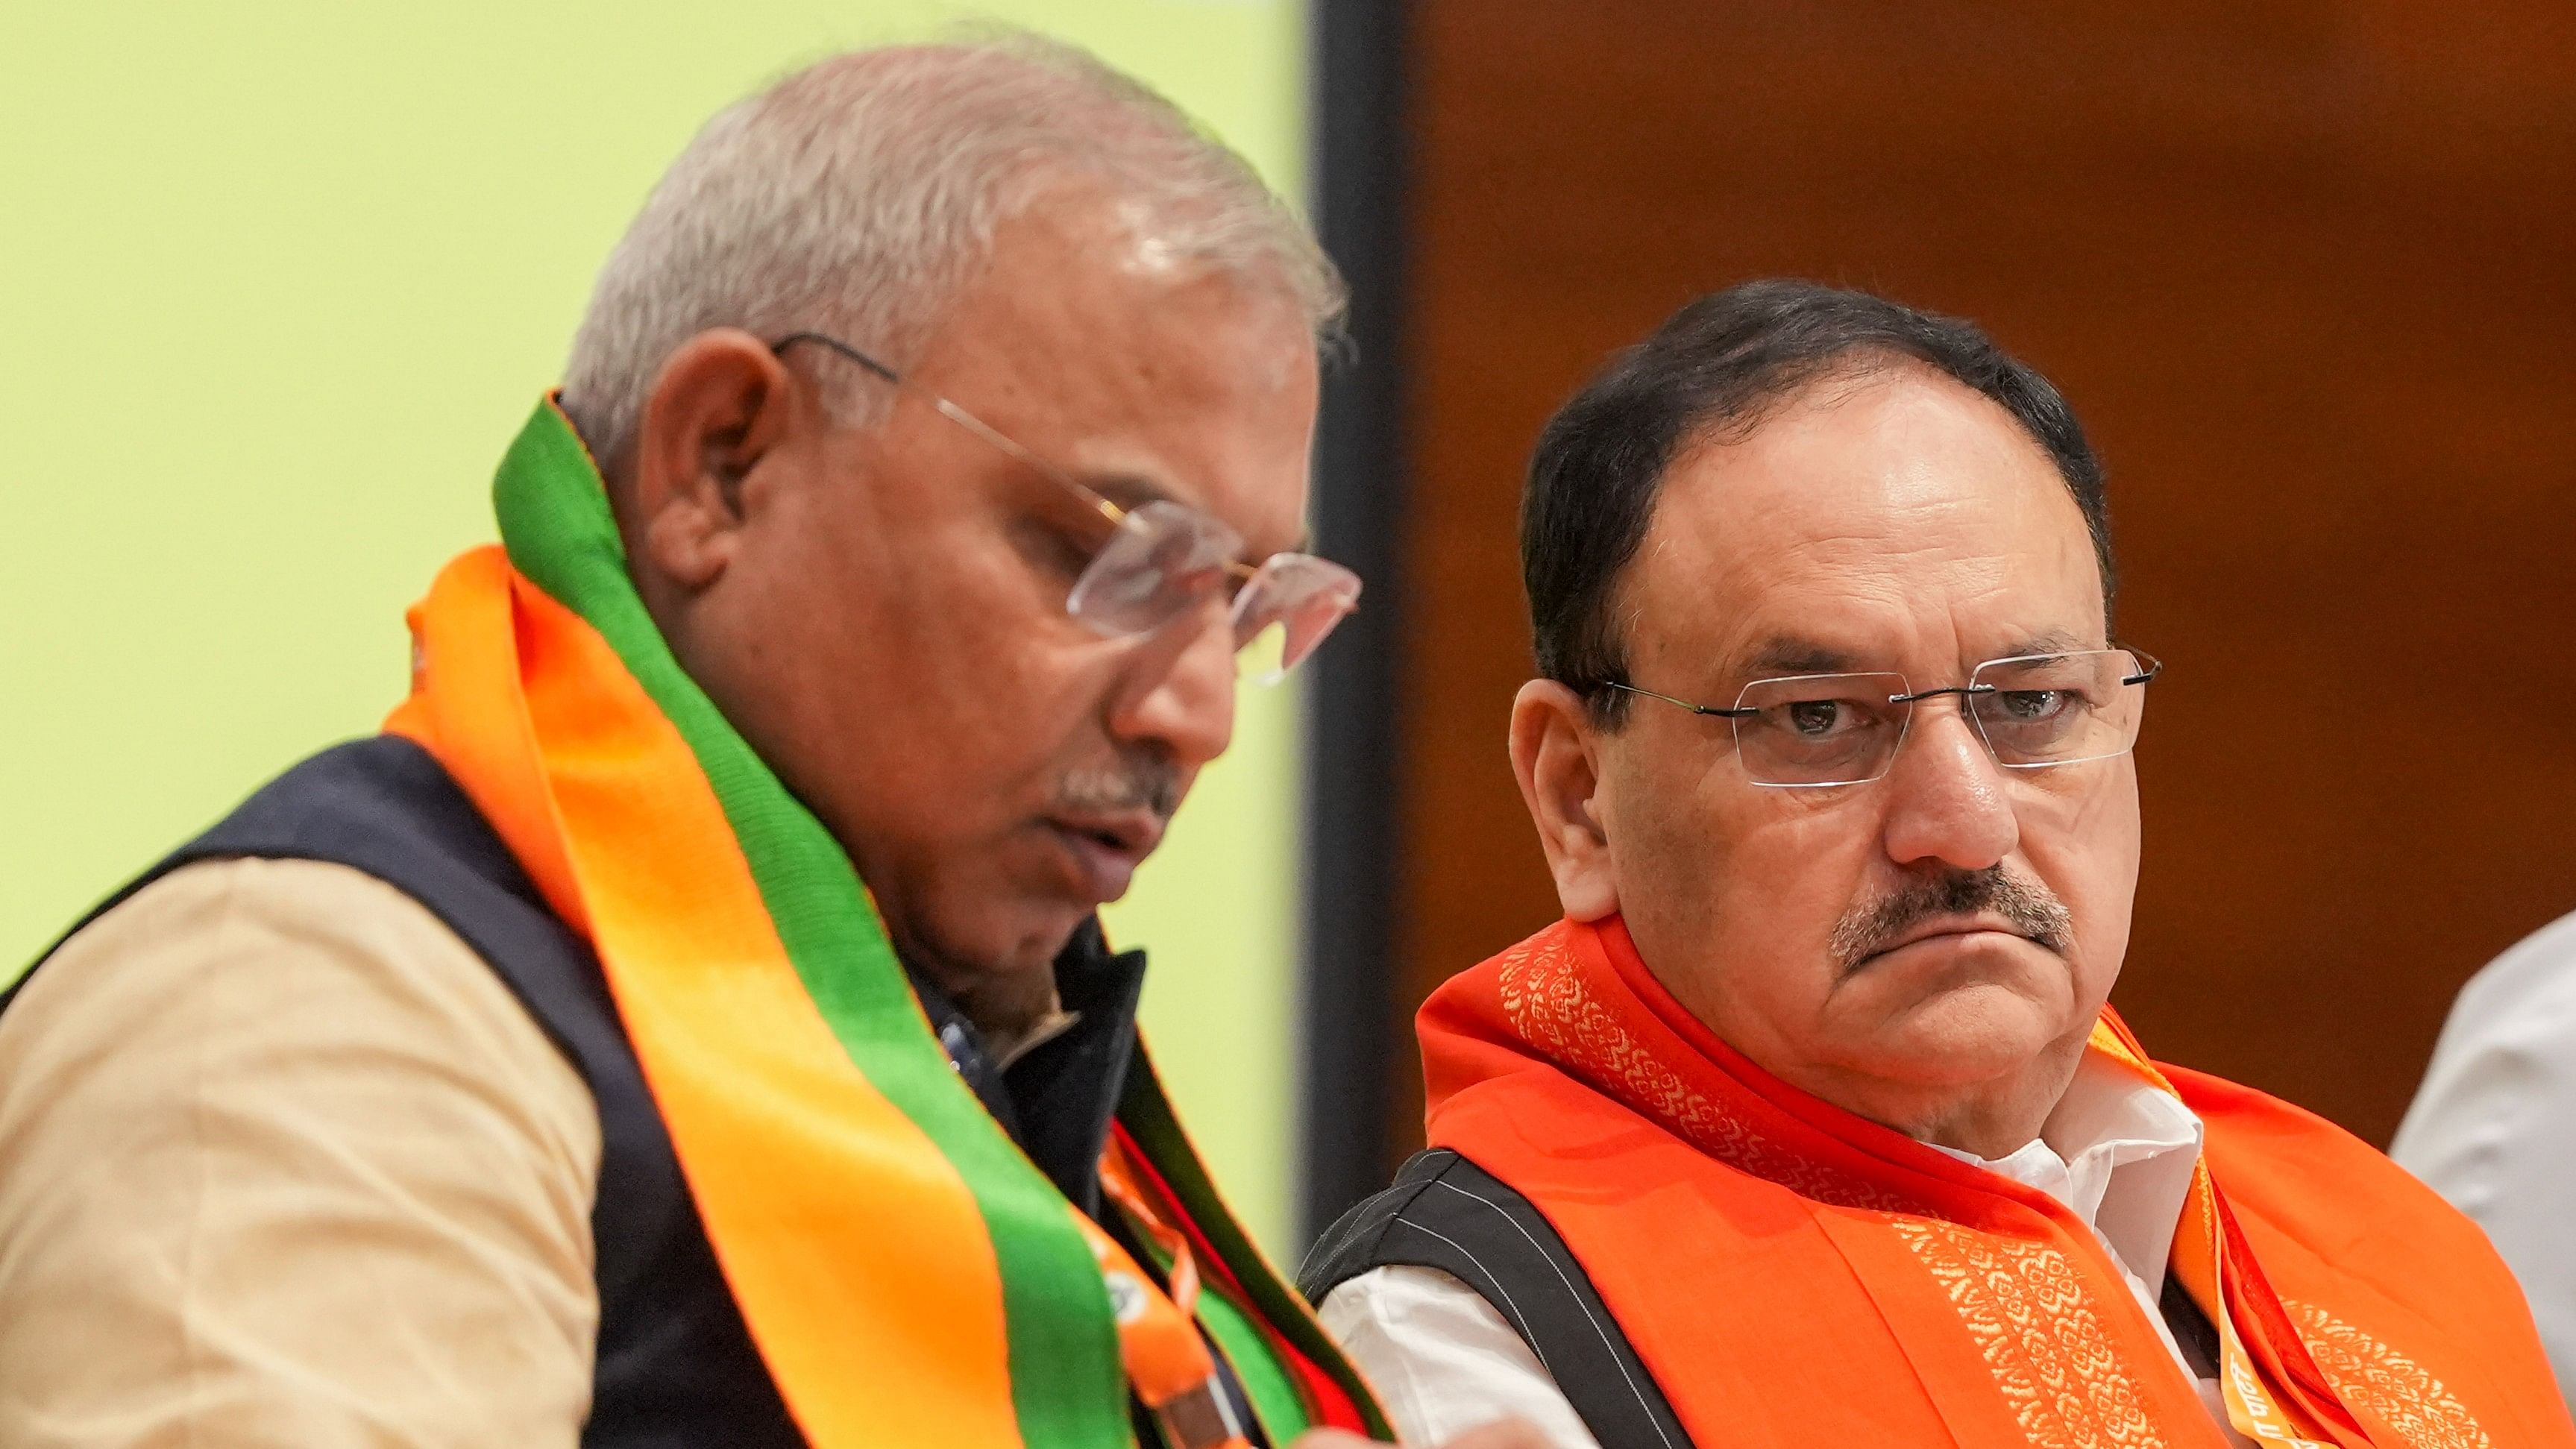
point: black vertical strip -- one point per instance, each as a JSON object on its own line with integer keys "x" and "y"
{"x": 1352, "y": 874}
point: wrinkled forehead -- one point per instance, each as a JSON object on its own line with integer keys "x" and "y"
{"x": 1144, "y": 375}
{"x": 1895, "y": 520}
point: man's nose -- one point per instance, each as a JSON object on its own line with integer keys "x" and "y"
{"x": 1179, "y": 692}
{"x": 1948, "y": 801}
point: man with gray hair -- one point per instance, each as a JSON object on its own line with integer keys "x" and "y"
{"x": 687, "y": 1023}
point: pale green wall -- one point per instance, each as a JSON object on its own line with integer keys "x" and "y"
{"x": 279, "y": 278}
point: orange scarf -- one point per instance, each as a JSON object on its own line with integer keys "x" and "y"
{"x": 1795, "y": 1275}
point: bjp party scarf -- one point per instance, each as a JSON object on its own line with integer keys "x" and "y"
{"x": 909, "y": 1276}
{"x": 1795, "y": 1275}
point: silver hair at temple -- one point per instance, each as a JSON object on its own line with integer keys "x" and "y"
{"x": 856, "y": 196}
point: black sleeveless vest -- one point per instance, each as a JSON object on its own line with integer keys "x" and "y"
{"x": 1445, "y": 1212}
{"x": 676, "y": 1368}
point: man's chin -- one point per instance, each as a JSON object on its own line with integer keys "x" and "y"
{"x": 972, "y": 950}
{"x": 1964, "y": 1036}
{"x": 1098, "y": 871}
{"x": 1037, "y": 935}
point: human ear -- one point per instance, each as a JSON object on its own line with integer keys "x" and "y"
{"x": 1553, "y": 756}
{"x": 720, "y": 403}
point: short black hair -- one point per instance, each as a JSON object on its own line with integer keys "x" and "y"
{"x": 1718, "y": 368}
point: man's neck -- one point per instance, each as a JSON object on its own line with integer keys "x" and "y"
{"x": 1995, "y": 1119}
{"x": 1008, "y": 1044}
{"x": 1991, "y": 1119}
{"x": 1009, "y": 1007}
{"x": 1981, "y": 1131}
{"x": 1004, "y": 1008}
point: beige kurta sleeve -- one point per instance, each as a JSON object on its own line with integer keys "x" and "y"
{"x": 282, "y": 1162}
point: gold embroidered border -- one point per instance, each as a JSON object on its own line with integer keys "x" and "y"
{"x": 1544, "y": 995}
{"x": 2022, "y": 1303}
{"x": 2371, "y": 1375}
{"x": 2026, "y": 1309}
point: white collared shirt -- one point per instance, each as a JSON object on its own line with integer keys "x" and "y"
{"x": 2117, "y": 1151}
{"x": 2489, "y": 1129}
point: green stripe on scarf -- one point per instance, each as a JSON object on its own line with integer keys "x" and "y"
{"x": 1148, "y": 1117}
{"x": 1067, "y": 1386}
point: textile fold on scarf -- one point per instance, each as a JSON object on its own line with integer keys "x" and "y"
{"x": 1793, "y": 1274}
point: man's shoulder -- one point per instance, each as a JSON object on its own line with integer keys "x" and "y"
{"x": 357, "y": 905}
{"x": 382, "y": 806}
{"x": 1357, "y": 1240}
{"x": 371, "y": 848}
{"x": 1446, "y": 1213}
{"x": 255, "y": 984}
{"x": 2524, "y": 999}
{"x": 2246, "y": 1120}
{"x": 233, "y": 929}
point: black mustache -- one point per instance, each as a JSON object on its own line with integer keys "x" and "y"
{"x": 2027, "y": 905}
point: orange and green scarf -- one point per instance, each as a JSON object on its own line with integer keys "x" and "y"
{"x": 909, "y": 1276}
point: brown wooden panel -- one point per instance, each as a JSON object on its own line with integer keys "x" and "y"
{"x": 2304, "y": 269}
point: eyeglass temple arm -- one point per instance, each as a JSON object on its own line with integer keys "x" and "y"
{"x": 964, "y": 419}
{"x": 1099, "y": 504}
{"x": 1706, "y": 709}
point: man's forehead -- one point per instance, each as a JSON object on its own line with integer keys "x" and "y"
{"x": 1096, "y": 289}
{"x": 1836, "y": 651}
{"x": 1890, "y": 447}
{"x": 1897, "y": 506}
{"x": 1144, "y": 385}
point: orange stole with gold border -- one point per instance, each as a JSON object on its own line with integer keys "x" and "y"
{"x": 1795, "y": 1275}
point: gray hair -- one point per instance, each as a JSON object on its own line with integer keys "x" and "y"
{"x": 855, "y": 196}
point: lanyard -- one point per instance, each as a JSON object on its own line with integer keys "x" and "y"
{"x": 2200, "y": 1260}
{"x": 1168, "y": 1364}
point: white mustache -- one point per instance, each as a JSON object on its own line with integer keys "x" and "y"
{"x": 1153, "y": 785}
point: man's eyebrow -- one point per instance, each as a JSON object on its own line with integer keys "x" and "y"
{"x": 2053, "y": 641}
{"x": 1788, "y": 654}
{"x": 1132, "y": 491}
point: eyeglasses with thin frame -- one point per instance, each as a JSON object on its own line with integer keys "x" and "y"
{"x": 2034, "y": 712}
{"x": 1164, "y": 559}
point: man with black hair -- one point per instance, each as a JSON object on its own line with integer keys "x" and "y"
{"x": 1810, "y": 1124}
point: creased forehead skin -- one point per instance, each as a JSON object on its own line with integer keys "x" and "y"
{"x": 1860, "y": 516}
{"x": 856, "y": 196}
{"x": 1718, "y": 368}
